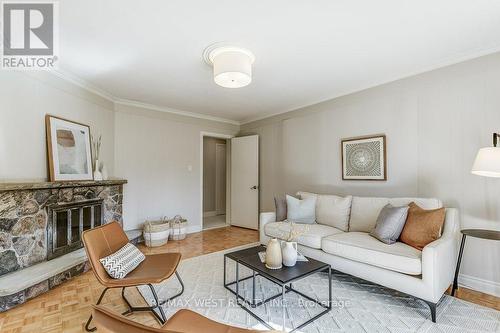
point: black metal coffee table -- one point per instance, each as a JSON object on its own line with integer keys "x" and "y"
{"x": 283, "y": 277}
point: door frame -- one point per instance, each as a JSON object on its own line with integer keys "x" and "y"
{"x": 228, "y": 174}
{"x": 217, "y": 178}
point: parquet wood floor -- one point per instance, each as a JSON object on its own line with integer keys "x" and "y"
{"x": 67, "y": 307}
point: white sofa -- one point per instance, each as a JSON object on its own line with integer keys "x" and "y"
{"x": 424, "y": 274}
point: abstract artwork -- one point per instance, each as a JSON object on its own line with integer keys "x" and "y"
{"x": 364, "y": 158}
{"x": 69, "y": 151}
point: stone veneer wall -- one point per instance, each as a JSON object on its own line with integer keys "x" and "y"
{"x": 23, "y": 216}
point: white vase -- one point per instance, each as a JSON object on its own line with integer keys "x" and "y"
{"x": 104, "y": 172}
{"x": 273, "y": 254}
{"x": 97, "y": 172}
{"x": 289, "y": 253}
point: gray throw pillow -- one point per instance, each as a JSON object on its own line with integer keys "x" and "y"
{"x": 301, "y": 211}
{"x": 280, "y": 204}
{"x": 390, "y": 223}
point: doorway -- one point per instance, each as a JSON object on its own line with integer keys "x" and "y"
{"x": 215, "y": 182}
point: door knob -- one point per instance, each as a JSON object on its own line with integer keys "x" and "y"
{"x": 253, "y": 187}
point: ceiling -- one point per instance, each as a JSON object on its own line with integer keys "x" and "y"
{"x": 306, "y": 51}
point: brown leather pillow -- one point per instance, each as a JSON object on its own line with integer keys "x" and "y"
{"x": 422, "y": 226}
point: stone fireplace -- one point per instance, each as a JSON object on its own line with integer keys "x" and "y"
{"x": 40, "y": 232}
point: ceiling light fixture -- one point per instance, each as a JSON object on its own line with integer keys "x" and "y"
{"x": 232, "y": 65}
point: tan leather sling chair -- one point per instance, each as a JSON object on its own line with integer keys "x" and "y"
{"x": 109, "y": 238}
{"x": 183, "y": 321}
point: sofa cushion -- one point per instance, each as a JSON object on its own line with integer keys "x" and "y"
{"x": 331, "y": 210}
{"x": 361, "y": 247}
{"x": 311, "y": 239}
{"x": 365, "y": 210}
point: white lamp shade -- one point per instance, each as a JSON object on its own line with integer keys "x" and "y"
{"x": 232, "y": 67}
{"x": 487, "y": 162}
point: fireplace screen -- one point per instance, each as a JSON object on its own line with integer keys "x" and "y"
{"x": 68, "y": 221}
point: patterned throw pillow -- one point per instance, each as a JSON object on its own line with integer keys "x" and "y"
{"x": 123, "y": 261}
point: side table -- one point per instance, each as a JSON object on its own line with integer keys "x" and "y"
{"x": 477, "y": 233}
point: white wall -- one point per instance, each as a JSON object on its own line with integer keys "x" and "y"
{"x": 153, "y": 151}
{"x": 434, "y": 122}
{"x": 25, "y": 99}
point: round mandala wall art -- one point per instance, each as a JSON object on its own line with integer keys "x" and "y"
{"x": 364, "y": 158}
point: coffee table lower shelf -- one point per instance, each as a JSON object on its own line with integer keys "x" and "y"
{"x": 245, "y": 303}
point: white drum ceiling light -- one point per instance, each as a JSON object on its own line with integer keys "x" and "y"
{"x": 232, "y": 65}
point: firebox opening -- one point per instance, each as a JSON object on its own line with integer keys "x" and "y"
{"x": 66, "y": 222}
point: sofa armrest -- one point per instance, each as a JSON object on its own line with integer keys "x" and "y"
{"x": 439, "y": 257}
{"x": 263, "y": 220}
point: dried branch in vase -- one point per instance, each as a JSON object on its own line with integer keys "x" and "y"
{"x": 294, "y": 231}
{"x": 96, "y": 148}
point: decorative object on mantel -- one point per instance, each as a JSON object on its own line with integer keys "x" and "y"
{"x": 104, "y": 172}
{"x": 156, "y": 233}
{"x": 273, "y": 254}
{"x": 96, "y": 146}
{"x": 178, "y": 228}
{"x": 364, "y": 158}
{"x": 68, "y": 149}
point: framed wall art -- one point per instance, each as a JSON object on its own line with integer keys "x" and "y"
{"x": 364, "y": 158}
{"x": 68, "y": 150}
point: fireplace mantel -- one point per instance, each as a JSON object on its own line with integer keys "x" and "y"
{"x": 20, "y": 186}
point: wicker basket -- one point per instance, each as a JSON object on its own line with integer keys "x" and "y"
{"x": 178, "y": 228}
{"x": 156, "y": 232}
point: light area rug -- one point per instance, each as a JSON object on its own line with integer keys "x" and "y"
{"x": 358, "y": 305}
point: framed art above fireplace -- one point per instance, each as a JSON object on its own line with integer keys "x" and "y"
{"x": 364, "y": 158}
{"x": 68, "y": 150}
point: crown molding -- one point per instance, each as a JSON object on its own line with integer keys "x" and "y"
{"x": 127, "y": 102}
{"x": 71, "y": 78}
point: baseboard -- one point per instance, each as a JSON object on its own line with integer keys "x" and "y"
{"x": 193, "y": 229}
{"x": 475, "y": 283}
{"x": 210, "y": 214}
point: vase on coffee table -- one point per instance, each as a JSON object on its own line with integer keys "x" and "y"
{"x": 289, "y": 253}
{"x": 273, "y": 254}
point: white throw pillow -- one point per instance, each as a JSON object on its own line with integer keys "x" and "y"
{"x": 301, "y": 211}
{"x": 331, "y": 210}
{"x": 123, "y": 261}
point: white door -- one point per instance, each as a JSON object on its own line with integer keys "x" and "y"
{"x": 220, "y": 178}
{"x": 245, "y": 182}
